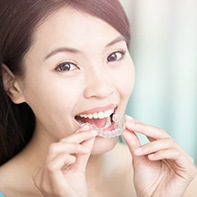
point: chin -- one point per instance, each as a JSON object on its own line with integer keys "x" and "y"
{"x": 103, "y": 145}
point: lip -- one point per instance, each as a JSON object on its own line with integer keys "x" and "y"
{"x": 96, "y": 110}
{"x": 99, "y": 109}
{"x": 112, "y": 130}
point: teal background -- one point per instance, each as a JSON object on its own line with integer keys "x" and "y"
{"x": 1, "y": 195}
{"x": 164, "y": 51}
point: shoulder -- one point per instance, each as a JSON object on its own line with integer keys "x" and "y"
{"x": 4, "y": 180}
{"x": 9, "y": 179}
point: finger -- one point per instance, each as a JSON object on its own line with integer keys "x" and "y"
{"x": 147, "y": 130}
{"x": 55, "y": 168}
{"x": 82, "y": 160}
{"x": 155, "y": 146}
{"x": 182, "y": 160}
{"x": 81, "y": 135}
{"x": 131, "y": 139}
{"x": 133, "y": 143}
{"x": 170, "y": 154}
{"x": 69, "y": 148}
{"x": 60, "y": 162}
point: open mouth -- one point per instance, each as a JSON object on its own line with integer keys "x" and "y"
{"x": 107, "y": 123}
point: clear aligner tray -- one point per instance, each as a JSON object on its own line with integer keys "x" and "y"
{"x": 119, "y": 127}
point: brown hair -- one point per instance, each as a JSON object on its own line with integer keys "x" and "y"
{"x": 18, "y": 21}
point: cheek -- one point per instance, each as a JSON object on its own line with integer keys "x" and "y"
{"x": 50, "y": 96}
{"x": 56, "y": 99}
{"x": 53, "y": 107}
{"x": 126, "y": 81}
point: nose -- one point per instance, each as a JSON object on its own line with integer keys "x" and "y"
{"x": 99, "y": 84}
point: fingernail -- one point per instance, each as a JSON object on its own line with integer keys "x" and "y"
{"x": 128, "y": 117}
{"x": 85, "y": 126}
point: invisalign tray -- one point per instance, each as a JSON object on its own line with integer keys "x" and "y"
{"x": 119, "y": 127}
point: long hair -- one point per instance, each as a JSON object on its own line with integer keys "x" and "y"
{"x": 18, "y": 22}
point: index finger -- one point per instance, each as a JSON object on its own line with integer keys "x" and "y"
{"x": 81, "y": 135}
{"x": 145, "y": 129}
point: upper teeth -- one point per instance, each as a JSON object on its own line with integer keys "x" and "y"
{"x": 99, "y": 115}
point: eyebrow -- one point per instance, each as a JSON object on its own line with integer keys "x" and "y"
{"x": 62, "y": 50}
{"x": 118, "y": 39}
{"x": 73, "y": 50}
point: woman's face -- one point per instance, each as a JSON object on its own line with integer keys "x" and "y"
{"x": 77, "y": 65}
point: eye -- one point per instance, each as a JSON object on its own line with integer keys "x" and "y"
{"x": 66, "y": 66}
{"x": 116, "y": 56}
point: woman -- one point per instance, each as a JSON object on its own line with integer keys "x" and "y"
{"x": 66, "y": 77}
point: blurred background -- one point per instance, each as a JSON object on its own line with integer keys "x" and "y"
{"x": 164, "y": 51}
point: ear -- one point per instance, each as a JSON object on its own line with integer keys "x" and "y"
{"x": 11, "y": 86}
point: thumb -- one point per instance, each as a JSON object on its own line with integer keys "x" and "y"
{"x": 131, "y": 139}
{"x": 82, "y": 159}
{"x": 133, "y": 143}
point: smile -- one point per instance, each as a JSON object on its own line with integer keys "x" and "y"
{"x": 99, "y": 115}
{"x": 106, "y": 123}
{"x": 101, "y": 120}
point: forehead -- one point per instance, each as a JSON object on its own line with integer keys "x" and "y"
{"x": 71, "y": 27}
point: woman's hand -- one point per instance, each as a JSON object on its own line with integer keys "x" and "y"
{"x": 161, "y": 167}
{"x": 63, "y": 173}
